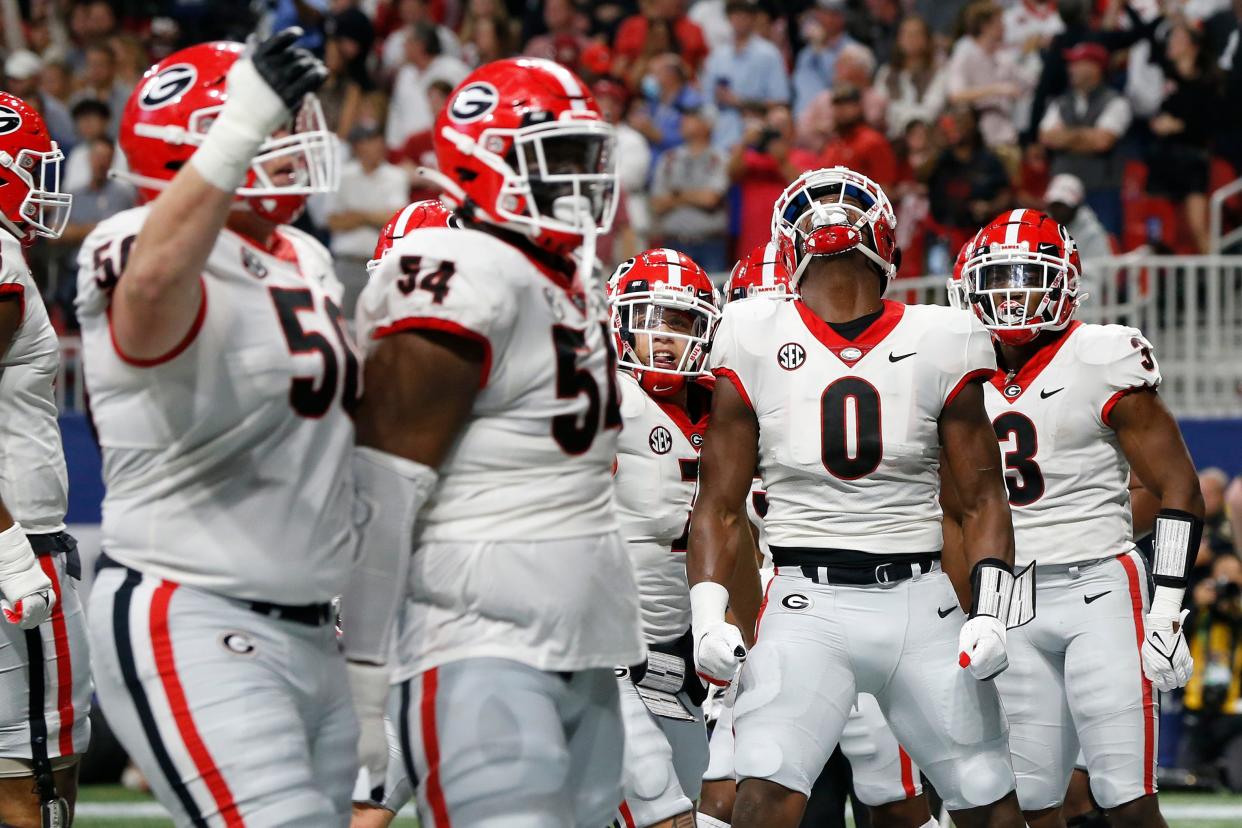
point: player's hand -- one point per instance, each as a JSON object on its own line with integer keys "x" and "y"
{"x": 1166, "y": 658}
{"x": 368, "y": 684}
{"x": 718, "y": 652}
{"x": 267, "y": 86}
{"x": 981, "y": 647}
{"x": 28, "y": 597}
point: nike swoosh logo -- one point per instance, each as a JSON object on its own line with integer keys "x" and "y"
{"x": 944, "y": 613}
{"x": 894, "y": 358}
{"x": 1043, "y": 395}
{"x": 1087, "y": 599}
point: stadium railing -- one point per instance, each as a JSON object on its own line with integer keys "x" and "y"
{"x": 1189, "y": 307}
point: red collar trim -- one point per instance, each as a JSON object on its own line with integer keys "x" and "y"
{"x": 1030, "y": 372}
{"x": 864, "y": 342}
{"x": 679, "y": 416}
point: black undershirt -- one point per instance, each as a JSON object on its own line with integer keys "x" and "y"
{"x": 850, "y": 330}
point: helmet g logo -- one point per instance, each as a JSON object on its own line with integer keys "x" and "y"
{"x": 10, "y": 120}
{"x": 473, "y": 102}
{"x": 168, "y": 85}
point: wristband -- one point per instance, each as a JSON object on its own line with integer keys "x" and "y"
{"x": 225, "y": 155}
{"x": 1175, "y": 544}
{"x": 991, "y": 588}
{"x": 708, "y": 602}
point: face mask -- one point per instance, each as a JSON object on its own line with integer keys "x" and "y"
{"x": 650, "y": 87}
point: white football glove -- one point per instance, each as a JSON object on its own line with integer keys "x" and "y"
{"x": 28, "y": 597}
{"x": 981, "y": 645}
{"x": 718, "y": 646}
{"x": 1166, "y": 657}
{"x": 368, "y": 684}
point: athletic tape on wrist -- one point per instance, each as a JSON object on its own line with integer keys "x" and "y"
{"x": 991, "y": 583}
{"x": 1175, "y": 543}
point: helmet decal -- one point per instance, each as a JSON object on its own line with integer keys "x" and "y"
{"x": 167, "y": 85}
{"x": 473, "y": 101}
{"x": 10, "y": 120}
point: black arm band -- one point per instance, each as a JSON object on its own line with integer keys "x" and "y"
{"x": 1175, "y": 544}
{"x": 991, "y": 588}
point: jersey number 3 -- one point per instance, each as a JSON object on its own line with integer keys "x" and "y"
{"x": 1023, "y": 477}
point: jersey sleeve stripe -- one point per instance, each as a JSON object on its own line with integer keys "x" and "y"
{"x": 1106, "y": 413}
{"x": 432, "y": 323}
{"x": 177, "y": 350}
{"x": 14, "y": 291}
{"x": 731, "y": 376}
{"x": 977, "y": 375}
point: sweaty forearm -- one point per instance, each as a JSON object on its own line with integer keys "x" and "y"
{"x": 713, "y": 551}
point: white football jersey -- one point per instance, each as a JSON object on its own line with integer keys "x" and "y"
{"x": 33, "y": 481}
{"x": 533, "y": 461}
{"x": 1068, "y": 479}
{"x": 227, "y": 461}
{"x": 655, "y": 479}
{"x": 848, "y": 436}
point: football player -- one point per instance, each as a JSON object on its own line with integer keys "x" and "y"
{"x": 884, "y": 777}
{"x": 843, "y": 400}
{"x": 221, "y": 378}
{"x": 491, "y": 417}
{"x": 1075, "y": 409}
{"x": 45, "y": 685}
{"x": 664, "y": 310}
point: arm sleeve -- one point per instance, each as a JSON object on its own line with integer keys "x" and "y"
{"x": 1126, "y": 362}
{"x": 723, "y": 360}
{"x": 433, "y": 280}
{"x": 978, "y": 360}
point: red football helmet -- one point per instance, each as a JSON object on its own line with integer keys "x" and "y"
{"x": 765, "y": 271}
{"x": 953, "y": 285}
{"x": 428, "y": 213}
{"x": 31, "y": 203}
{"x": 832, "y": 211}
{"x": 1021, "y": 276}
{"x": 175, "y": 103}
{"x": 662, "y": 302}
{"x": 522, "y": 144}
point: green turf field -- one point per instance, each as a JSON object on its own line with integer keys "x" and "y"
{"x": 115, "y": 807}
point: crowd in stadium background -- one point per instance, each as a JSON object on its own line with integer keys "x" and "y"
{"x": 1119, "y": 118}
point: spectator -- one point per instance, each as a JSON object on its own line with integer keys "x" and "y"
{"x": 823, "y": 29}
{"x": 633, "y": 158}
{"x": 712, "y": 20}
{"x": 308, "y": 14}
{"x": 410, "y": 110}
{"x": 100, "y": 83}
{"x": 353, "y": 34}
{"x": 97, "y": 198}
{"x": 487, "y": 33}
{"x": 1064, "y": 201}
{"x": 565, "y": 39}
{"x": 1178, "y": 161}
{"x": 855, "y": 143}
{"x": 745, "y": 70}
{"x": 130, "y": 57}
{"x": 393, "y": 54}
{"x": 340, "y": 96}
{"x": 687, "y": 195}
{"x": 762, "y": 164}
{"x": 55, "y": 82}
{"x": 855, "y": 67}
{"x": 878, "y": 27}
{"x": 371, "y": 191}
{"x": 90, "y": 121}
{"x": 667, "y": 95}
{"x": 968, "y": 184}
{"x": 911, "y": 83}
{"x": 90, "y": 22}
{"x": 941, "y": 15}
{"x": 1217, "y": 528}
{"x": 982, "y": 74}
{"x": 659, "y": 26}
{"x": 1082, "y": 128}
{"x": 22, "y": 72}
{"x": 1029, "y": 27}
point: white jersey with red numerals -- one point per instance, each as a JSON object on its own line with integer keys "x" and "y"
{"x": 848, "y": 436}
{"x": 1068, "y": 479}
{"x": 33, "y": 481}
{"x": 227, "y": 460}
{"x": 533, "y": 461}
{"x": 657, "y": 471}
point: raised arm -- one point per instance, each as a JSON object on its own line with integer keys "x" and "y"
{"x": 158, "y": 298}
{"x": 726, "y": 469}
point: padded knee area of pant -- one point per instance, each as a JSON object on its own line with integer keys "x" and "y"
{"x": 973, "y": 779}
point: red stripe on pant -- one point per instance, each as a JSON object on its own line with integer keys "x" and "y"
{"x": 763, "y": 605}
{"x": 64, "y": 664}
{"x": 907, "y": 772}
{"x": 431, "y": 749}
{"x": 1149, "y": 705}
{"x": 626, "y": 815}
{"x": 165, "y": 665}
